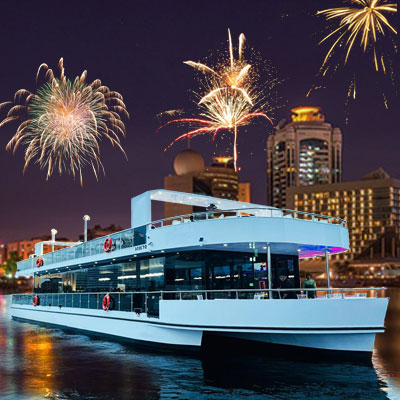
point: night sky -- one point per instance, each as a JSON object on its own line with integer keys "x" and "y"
{"x": 137, "y": 48}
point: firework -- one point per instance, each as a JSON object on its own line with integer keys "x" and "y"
{"x": 234, "y": 74}
{"x": 230, "y": 98}
{"x": 62, "y": 122}
{"x": 367, "y": 20}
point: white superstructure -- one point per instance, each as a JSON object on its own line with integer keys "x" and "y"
{"x": 230, "y": 269}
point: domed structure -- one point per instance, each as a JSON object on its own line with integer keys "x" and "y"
{"x": 188, "y": 162}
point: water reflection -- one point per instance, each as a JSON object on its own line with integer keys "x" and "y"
{"x": 38, "y": 362}
{"x": 283, "y": 379}
{"x": 386, "y": 357}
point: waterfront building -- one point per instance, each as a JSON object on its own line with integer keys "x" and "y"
{"x": 307, "y": 151}
{"x": 26, "y": 247}
{"x": 192, "y": 176}
{"x": 371, "y": 207}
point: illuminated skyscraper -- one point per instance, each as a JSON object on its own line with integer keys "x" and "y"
{"x": 306, "y": 151}
{"x": 222, "y": 178}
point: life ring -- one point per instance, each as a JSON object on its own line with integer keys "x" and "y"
{"x": 108, "y": 302}
{"x": 36, "y": 300}
{"x": 108, "y": 244}
{"x": 39, "y": 262}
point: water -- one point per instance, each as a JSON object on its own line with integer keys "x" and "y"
{"x": 44, "y": 363}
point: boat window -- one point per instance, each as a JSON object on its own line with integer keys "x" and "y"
{"x": 49, "y": 283}
{"x": 139, "y": 235}
{"x": 152, "y": 274}
{"x": 191, "y": 270}
{"x": 185, "y": 271}
{"x": 260, "y": 275}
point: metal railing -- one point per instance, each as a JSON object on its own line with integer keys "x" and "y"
{"x": 138, "y": 302}
{"x": 121, "y": 240}
{"x": 267, "y": 212}
{"x": 137, "y": 236}
{"x": 148, "y": 302}
{"x": 297, "y": 293}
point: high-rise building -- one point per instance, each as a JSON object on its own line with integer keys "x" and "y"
{"x": 192, "y": 176}
{"x": 222, "y": 178}
{"x": 306, "y": 151}
{"x": 371, "y": 207}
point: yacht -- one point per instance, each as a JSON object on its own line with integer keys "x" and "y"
{"x": 229, "y": 270}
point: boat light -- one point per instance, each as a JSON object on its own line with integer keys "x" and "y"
{"x": 127, "y": 277}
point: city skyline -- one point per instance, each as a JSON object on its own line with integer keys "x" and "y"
{"x": 147, "y": 68}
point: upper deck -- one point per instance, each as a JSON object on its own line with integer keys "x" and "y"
{"x": 232, "y": 226}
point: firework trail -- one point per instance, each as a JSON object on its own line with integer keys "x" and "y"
{"x": 62, "y": 122}
{"x": 230, "y": 97}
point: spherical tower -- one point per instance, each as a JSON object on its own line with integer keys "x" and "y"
{"x": 188, "y": 162}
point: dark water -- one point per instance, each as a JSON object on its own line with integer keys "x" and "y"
{"x": 43, "y": 363}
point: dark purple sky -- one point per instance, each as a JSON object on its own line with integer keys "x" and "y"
{"x": 137, "y": 48}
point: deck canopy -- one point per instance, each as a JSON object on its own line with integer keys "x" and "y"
{"x": 141, "y": 205}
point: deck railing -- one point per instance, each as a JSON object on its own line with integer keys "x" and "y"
{"x": 120, "y": 240}
{"x": 137, "y": 236}
{"x": 266, "y": 212}
{"x": 148, "y": 302}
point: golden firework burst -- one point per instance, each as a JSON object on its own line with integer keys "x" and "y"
{"x": 367, "y": 20}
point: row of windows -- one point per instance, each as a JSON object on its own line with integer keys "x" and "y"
{"x": 196, "y": 270}
{"x": 378, "y": 192}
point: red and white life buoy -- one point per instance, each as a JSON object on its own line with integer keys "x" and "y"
{"x": 108, "y": 302}
{"x": 36, "y": 300}
{"x": 39, "y": 262}
{"x": 108, "y": 244}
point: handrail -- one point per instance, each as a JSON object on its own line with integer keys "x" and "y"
{"x": 149, "y": 302}
{"x": 221, "y": 291}
{"x": 83, "y": 247}
{"x": 239, "y": 211}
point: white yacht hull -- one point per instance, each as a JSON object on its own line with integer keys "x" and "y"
{"x": 348, "y": 324}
